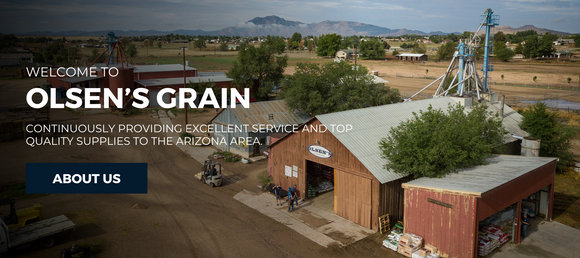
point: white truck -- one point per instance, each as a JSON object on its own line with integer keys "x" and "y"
{"x": 42, "y": 230}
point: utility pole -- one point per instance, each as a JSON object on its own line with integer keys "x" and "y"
{"x": 184, "y": 86}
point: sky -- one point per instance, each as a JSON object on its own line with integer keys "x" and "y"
{"x": 166, "y": 15}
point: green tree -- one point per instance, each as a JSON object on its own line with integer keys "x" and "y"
{"x": 331, "y": 87}
{"x": 434, "y": 143}
{"x": 499, "y": 36}
{"x": 264, "y": 63}
{"x": 419, "y": 48}
{"x": 295, "y": 39}
{"x": 395, "y": 52}
{"x": 569, "y": 80}
{"x": 200, "y": 43}
{"x": 535, "y": 78}
{"x": 311, "y": 46}
{"x": 446, "y": 51}
{"x": 519, "y": 49}
{"x": 159, "y": 44}
{"x": 130, "y": 49}
{"x": 223, "y": 46}
{"x": 328, "y": 44}
{"x": 555, "y": 137}
{"x": 372, "y": 49}
{"x": 386, "y": 45}
{"x": 505, "y": 54}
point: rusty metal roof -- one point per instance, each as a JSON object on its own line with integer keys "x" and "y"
{"x": 478, "y": 180}
{"x": 274, "y": 112}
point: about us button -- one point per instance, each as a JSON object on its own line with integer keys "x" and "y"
{"x": 86, "y": 178}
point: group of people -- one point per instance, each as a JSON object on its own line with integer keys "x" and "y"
{"x": 292, "y": 197}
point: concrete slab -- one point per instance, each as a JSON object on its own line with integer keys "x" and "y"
{"x": 170, "y": 114}
{"x": 552, "y": 239}
{"x": 257, "y": 158}
{"x": 312, "y": 222}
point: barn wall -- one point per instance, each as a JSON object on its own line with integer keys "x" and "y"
{"x": 451, "y": 230}
{"x": 292, "y": 151}
{"x": 392, "y": 199}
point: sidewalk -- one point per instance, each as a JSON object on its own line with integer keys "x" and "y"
{"x": 320, "y": 226}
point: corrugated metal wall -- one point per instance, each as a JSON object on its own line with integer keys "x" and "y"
{"x": 228, "y": 117}
{"x": 451, "y": 230}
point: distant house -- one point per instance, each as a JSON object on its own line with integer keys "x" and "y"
{"x": 275, "y": 113}
{"x": 563, "y": 54}
{"x": 412, "y": 57}
{"x": 233, "y": 47}
{"x": 16, "y": 59}
{"x": 345, "y": 54}
{"x": 425, "y": 41}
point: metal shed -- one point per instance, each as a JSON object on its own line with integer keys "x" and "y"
{"x": 446, "y": 211}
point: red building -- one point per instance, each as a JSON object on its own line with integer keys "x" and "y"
{"x": 452, "y": 213}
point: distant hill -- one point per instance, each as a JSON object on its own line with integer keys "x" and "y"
{"x": 277, "y": 26}
{"x": 510, "y": 30}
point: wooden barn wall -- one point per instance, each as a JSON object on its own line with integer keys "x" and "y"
{"x": 353, "y": 197}
{"x": 516, "y": 190}
{"x": 292, "y": 151}
{"x": 451, "y": 230}
{"x": 392, "y": 199}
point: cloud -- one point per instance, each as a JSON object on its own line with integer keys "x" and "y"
{"x": 559, "y": 20}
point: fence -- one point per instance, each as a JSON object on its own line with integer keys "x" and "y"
{"x": 572, "y": 87}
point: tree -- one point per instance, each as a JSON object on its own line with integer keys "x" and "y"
{"x": 372, "y": 49}
{"x": 223, "y": 46}
{"x": 569, "y": 80}
{"x": 39, "y": 58}
{"x": 535, "y": 78}
{"x": 434, "y": 143}
{"x": 420, "y": 49}
{"x": 499, "y": 36}
{"x": 331, "y": 87}
{"x": 295, "y": 40}
{"x": 200, "y": 43}
{"x": 386, "y": 45}
{"x": 395, "y": 52}
{"x": 264, "y": 63}
{"x": 555, "y": 137}
{"x": 505, "y": 54}
{"x": 328, "y": 44}
{"x": 130, "y": 49}
{"x": 519, "y": 49}
{"x": 446, "y": 51}
{"x": 159, "y": 44}
{"x": 311, "y": 46}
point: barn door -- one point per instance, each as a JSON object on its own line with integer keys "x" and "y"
{"x": 353, "y": 198}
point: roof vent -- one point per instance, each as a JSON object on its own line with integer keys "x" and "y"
{"x": 270, "y": 116}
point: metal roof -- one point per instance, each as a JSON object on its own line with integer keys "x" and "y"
{"x": 407, "y": 54}
{"x": 481, "y": 179}
{"x": 259, "y": 112}
{"x": 179, "y": 80}
{"x": 370, "y": 125}
{"x": 160, "y": 68}
{"x": 377, "y": 79}
{"x": 511, "y": 120}
{"x": 206, "y": 74}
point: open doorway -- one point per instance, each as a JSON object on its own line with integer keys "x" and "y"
{"x": 496, "y": 230}
{"x": 534, "y": 210}
{"x": 320, "y": 185}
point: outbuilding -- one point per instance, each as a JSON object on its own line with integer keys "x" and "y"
{"x": 456, "y": 213}
{"x": 412, "y": 57}
{"x": 238, "y": 129}
{"x": 323, "y": 155}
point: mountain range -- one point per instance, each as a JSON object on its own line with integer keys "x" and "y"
{"x": 277, "y": 26}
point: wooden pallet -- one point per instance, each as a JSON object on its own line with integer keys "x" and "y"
{"x": 384, "y": 224}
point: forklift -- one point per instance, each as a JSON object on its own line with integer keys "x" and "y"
{"x": 212, "y": 173}
{"x": 20, "y": 218}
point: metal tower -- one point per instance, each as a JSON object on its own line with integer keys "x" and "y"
{"x": 113, "y": 46}
{"x": 462, "y": 68}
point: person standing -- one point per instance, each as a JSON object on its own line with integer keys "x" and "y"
{"x": 525, "y": 224}
{"x": 294, "y": 196}
{"x": 277, "y": 190}
{"x": 290, "y": 199}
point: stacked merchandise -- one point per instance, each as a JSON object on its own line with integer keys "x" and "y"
{"x": 310, "y": 191}
{"x": 409, "y": 243}
{"x": 429, "y": 251}
{"x": 392, "y": 241}
{"x": 324, "y": 186}
{"x": 490, "y": 238}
